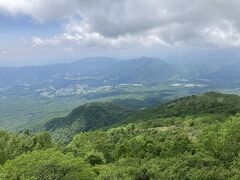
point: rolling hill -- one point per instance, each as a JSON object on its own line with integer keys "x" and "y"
{"x": 94, "y": 116}
{"x": 89, "y": 117}
{"x": 206, "y": 103}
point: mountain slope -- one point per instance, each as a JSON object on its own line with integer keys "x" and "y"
{"x": 207, "y": 103}
{"x": 142, "y": 70}
{"x": 89, "y": 117}
{"x": 95, "y": 116}
{"x": 227, "y": 76}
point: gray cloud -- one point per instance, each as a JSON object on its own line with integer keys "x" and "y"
{"x": 141, "y": 22}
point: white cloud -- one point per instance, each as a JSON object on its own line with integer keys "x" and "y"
{"x": 4, "y": 52}
{"x": 69, "y": 50}
{"x": 116, "y": 23}
{"x": 40, "y": 10}
{"x": 81, "y": 34}
{"x": 223, "y": 35}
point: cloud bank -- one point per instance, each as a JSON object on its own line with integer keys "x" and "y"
{"x": 118, "y": 23}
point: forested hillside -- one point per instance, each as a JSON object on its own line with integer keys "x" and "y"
{"x": 87, "y": 117}
{"x": 95, "y": 116}
{"x": 206, "y": 103}
{"x": 202, "y": 141}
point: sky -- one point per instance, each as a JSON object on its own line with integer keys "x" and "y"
{"x": 36, "y": 32}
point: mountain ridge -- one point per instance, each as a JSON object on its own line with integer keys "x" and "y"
{"x": 101, "y": 70}
{"x": 94, "y": 116}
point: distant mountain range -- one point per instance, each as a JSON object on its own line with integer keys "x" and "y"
{"x": 92, "y": 72}
{"x": 98, "y": 72}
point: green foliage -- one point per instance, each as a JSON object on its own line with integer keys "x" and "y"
{"x": 42, "y": 141}
{"x": 131, "y": 142}
{"x": 182, "y": 167}
{"x": 94, "y": 158}
{"x": 49, "y": 164}
{"x": 223, "y": 140}
{"x": 13, "y": 145}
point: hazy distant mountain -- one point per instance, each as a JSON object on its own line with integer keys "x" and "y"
{"x": 53, "y": 73}
{"x": 91, "y": 71}
{"x": 225, "y": 76}
{"x": 143, "y": 71}
{"x": 96, "y": 72}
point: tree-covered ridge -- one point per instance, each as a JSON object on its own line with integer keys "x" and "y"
{"x": 204, "y": 145}
{"x": 89, "y": 117}
{"x": 207, "y": 103}
{"x": 100, "y": 115}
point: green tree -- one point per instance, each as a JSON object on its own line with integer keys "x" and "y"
{"x": 49, "y": 164}
{"x": 94, "y": 158}
{"x": 223, "y": 140}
